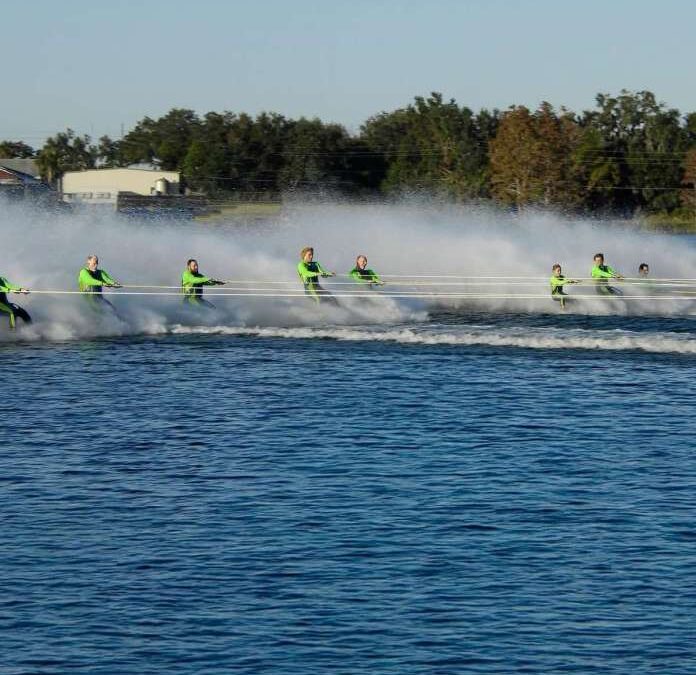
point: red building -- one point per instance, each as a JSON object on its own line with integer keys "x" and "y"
{"x": 15, "y": 182}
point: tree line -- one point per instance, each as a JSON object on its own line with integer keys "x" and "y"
{"x": 628, "y": 154}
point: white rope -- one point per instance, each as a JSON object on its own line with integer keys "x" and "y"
{"x": 255, "y": 288}
{"x": 375, "y": 294}
{"x": 487, "y": 281}
{"x": 528, "y": 278}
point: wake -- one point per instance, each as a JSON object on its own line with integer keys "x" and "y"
{"x": 472, "y": 336}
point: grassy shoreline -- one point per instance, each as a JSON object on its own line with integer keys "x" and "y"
{"x": 670, "y": 224}
{"x": 231, "y": 210}
{"x": 226, "y": 211}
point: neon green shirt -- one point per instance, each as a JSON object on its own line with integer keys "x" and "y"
{"x": 557, "y": 284}
{"x": 6, "y": 286}
{"x": 365, "y": 276}
{"x": 192, "y": 283}
{"x": 309, "y": 272}
{"x": 602, "y": 272}
{"x": 92, "y": 282}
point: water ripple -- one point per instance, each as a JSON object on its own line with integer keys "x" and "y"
{"x": 218, "y": 503}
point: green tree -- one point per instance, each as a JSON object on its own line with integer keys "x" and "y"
{"x": 385, "y": 136}
{"x": 431, "y": 145}
{"x": 256, "y": 150}
{"x": 314, "y": 156}
{"x": 108, "y": 152}
{"x": 65, "y": 152}
{"x": 600, "y": 174}
{"x": 164, "y": 141}
{"x": 690, "y": 129}
{"x": 532, "y": 158}
{"x": 365, "y": 169}
{"x": 688, "y": 193}
{"x": 16, "y": 149}
{"x": 208, "y": 159}
{"x": 644, "y": 143}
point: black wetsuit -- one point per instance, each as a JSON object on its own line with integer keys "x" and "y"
{"x": 7, "y": 307}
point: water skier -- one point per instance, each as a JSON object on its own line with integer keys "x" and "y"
{"x": 601, "y": 273}
{"x": 7, "y": 307}
{"x": 91, "y": 281}
{"x": 645, "y": 283}
{"x": 362, "y": 274}
{"x": 192, "y": 282}
{"x": 309, "y": 272}
{"x": 557, "y": 283}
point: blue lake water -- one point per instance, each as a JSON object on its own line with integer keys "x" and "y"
{"x": 470, "y": 494}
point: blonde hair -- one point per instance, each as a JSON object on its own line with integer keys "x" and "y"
{"x": 305, "y": 250}
{"x": 362, "y": 255}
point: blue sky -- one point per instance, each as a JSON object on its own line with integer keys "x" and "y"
{"x": 94, "y": 66}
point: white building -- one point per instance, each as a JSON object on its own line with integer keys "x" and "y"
{"x": 102, "y": 186}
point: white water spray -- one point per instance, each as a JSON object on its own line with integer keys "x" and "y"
{"x": 44, "y": 250}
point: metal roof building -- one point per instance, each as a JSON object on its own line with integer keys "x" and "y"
{"x": 103, "y": 186}
{"x": 25, "y": 166}
{"x": 19, "y": 185}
